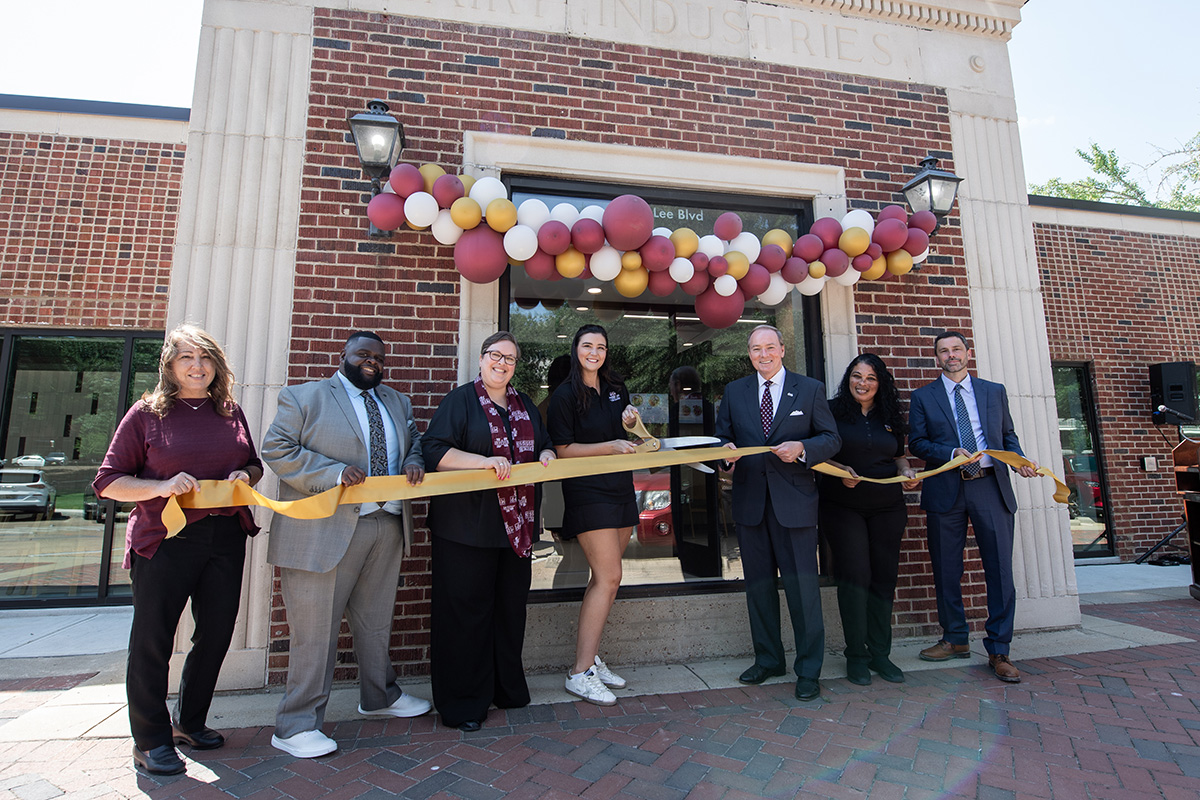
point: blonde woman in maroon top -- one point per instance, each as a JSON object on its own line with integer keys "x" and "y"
{"x": 187, "y": 430}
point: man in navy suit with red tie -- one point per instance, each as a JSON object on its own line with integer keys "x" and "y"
{"x": 775, "y": 505}
{"x": 957, "y": 415}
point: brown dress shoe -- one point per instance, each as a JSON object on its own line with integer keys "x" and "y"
{"x": 944, "y": 651}
{"x": 1004, "y": 669}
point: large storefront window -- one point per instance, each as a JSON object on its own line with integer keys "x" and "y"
{"x": 675, "y": 368}
{"x": 63, "y": 397}
{"x": 1082, "y": 469}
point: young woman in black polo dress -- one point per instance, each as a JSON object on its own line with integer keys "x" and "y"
{"x": 585, "y": 419}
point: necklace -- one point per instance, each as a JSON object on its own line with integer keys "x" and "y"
{"x": 196, "y": 407}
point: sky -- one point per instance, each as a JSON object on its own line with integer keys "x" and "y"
{"x": 1109, "y": 71}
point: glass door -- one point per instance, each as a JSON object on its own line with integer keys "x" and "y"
{"x": 1087, "y": 505}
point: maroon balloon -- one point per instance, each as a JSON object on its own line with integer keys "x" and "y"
{"x": 479, "y": 255}
{"x": 917, "y": 242}
{"x": 554, "y": 237}
{"x": 925, "y": 220}
{"x": 406, "y": 179}
{"x": 756, "y": 280}
{"x": 772, "y": 257}
{"x": 716, "y": 311}
{"x": 540, "y": 266}
{"x": 587, "y": 235}
{"x": 861, "y": 262}
{"x": 727, "y": 226}
{"x": 699, "y": 261}
{"x": 661, "y": 283}
{"x": 892, "y": 212}
{"x": 795, "y": 269}
{"x": 386, "y": 211}
{"x": 717, "y": 266}
{"x": 447, "y": 189}
{"x": 808, "y": 247}
{"x": 628, "y": 222}
{"x": 829, "y": 230}
{"x": 836, "y": 262}
{"x": 696, "y": 284}
{"x": 890, "y": 235}
{"x": 874, "y": 251}
{"x": 657, "y": 253}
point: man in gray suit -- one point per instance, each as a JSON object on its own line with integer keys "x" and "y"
{"x": 327, "y": 432}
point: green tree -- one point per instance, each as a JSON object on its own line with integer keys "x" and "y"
{"x": 1178, "y": 187}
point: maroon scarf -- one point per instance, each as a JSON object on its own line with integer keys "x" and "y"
{"x": 516, "y": 502}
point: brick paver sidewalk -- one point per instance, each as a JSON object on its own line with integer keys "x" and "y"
{"x": 1117, "y": 724}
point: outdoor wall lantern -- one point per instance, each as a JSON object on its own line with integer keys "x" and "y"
{"x": 932, "y": 189}
{"x": 379, "y": 138}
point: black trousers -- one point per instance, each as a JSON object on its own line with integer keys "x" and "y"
{"x": 203, "y": 563}
{"x": 865, "y": 548}
{"x": 478, "y": 629}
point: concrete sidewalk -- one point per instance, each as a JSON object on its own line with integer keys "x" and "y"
{"x": 63, "y": 727}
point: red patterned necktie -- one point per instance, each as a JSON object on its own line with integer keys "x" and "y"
{"x": 767, "y": 408}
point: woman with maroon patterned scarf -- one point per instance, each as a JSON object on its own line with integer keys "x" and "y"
{"x": 482, "y": 541}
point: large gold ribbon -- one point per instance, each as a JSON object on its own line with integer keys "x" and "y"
{"x": 380, "y": 489}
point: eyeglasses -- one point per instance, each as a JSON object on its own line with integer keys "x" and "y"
{"x": 496, "y": 355}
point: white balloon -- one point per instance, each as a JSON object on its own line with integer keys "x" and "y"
{"x": 421, "y": 209}
{"x": 606, "y": 263}
{"x": 725, "y": 285}
{"x": 520, "y": 242}
{"x": 532, "y": 213}
{"x": 848, "y": 278}
{"x": 661, "y": 232}
{"x": 681, "y": 270}
{"x": 486, "y": 190}
{"x": 593, "y": 212}
{"x": 747, "y": 244}
{"x": 711, "y": 246}
{"x": 444, "y": 229}
{"x": 565, "y": 213}
{"x": 777, "y": 292}
{"x": 810, "y": 285}
{"x": 859, "y": 218}
{"x": 924, "y": 255}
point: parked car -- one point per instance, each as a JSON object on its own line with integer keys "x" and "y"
{"x": 653, "y": 493}
{"x": 1083, "y": 479}
{"x": 25, "y": 491}
{"x": 29, "y": 460}
{"x": 56, "y": 458}
{"x": 97, "y": 509}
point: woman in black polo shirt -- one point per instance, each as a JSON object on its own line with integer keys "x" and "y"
{"x": 864, "y": 522}
{"x": 585, "y": 419}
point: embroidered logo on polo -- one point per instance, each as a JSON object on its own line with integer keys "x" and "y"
{"x": 613, "y": 397}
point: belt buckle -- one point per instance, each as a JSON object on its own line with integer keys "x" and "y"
{"x": 962, "y": 473}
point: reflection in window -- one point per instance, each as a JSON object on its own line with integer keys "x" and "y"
{"x": 1090, "y": 531}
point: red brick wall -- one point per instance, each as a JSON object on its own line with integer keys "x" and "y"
{"x": 1120, "y": 302}
{"x": 443, "y": 78}
{"x": 86, "y": 230}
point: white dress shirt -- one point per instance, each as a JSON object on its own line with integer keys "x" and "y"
{"x": 395, "y": 447}
{"x": 968, "y": 395}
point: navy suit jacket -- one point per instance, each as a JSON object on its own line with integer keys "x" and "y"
{"x": 803, "y": 415}
{"x": 933, "y": 437}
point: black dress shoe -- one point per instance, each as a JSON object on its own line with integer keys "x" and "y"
{"x": 203, "y": 739}
{"x": 162, "y": 760}
{"x": 756, "y": 674}
{"x": 807, "y": 689}
{"x": 858, "y": 673}
{"x": 887, "y": 670}
{"x": 470, "y": 726}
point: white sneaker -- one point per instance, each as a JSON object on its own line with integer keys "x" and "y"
{"x": 306, "y": 744}
{"x": 406, "y": 706}
{"x": 588, "y": 686}
{"x": 607, "y": 676}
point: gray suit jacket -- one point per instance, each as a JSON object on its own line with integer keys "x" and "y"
{"x": 314, "y": 436}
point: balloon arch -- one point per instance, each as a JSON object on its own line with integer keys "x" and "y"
{"x": 619, "y": 243}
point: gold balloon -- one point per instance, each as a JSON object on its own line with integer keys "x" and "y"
{"x": 466, "y": 213}
{"x": 631, "y": 259}
{"x": 816, "y": 269}
{"x": 687, "y": 242}
{"x": 501, "y": 215}
{"x": 739, "y": 265}
{"x": 899, "y": 262}
{"x": 854, "y": 242}
{"x": 430, "y": 172}
{"x": 467, "y": 182}
{"x": 780, "y": 237}
{"x": 878, "y": 267}
{"x": 632, "y": 282}
{"x": 569, "y": 263}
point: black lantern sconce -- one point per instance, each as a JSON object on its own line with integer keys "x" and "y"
{"x": 932, "y": 189}
{"x": 379, "y": 138}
